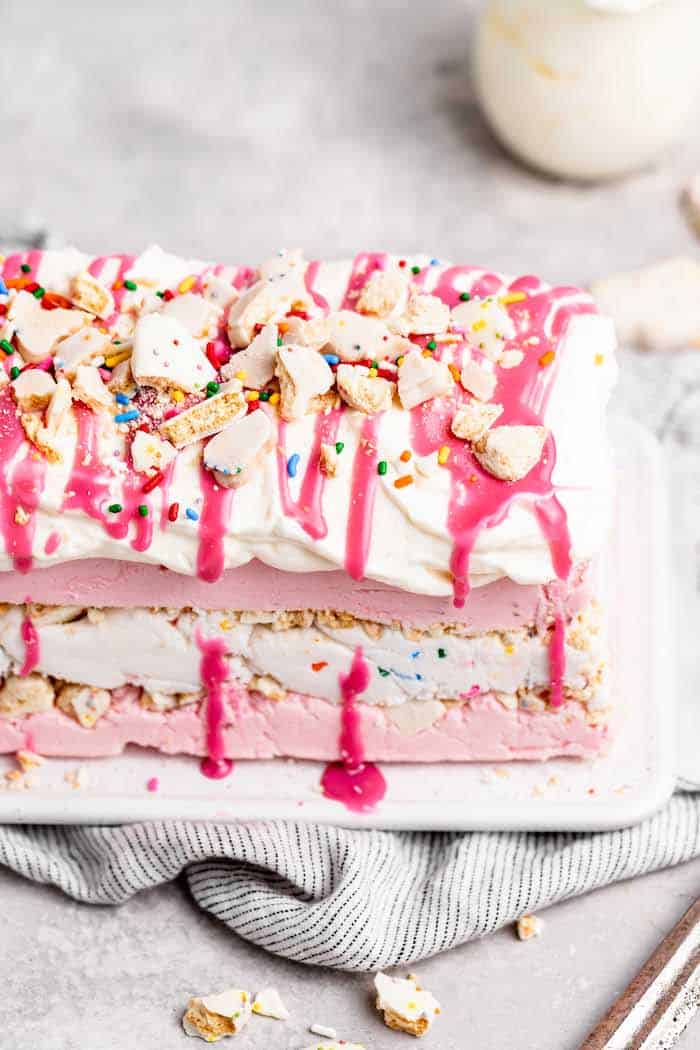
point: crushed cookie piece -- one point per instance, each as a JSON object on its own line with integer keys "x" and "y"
{"x": 485, "y": 324}
{"x": 529, "y": 926}
{"x": 83, "y": 703}
{"x": 405, "y": 1005}
{"x": 328, "y": 460}
{"x": 33, "y": 389}
{"x": 424, "y": 315}
{"x": 88, "y": 294}
{"x": 88, "y": 387}
{"x": 358, "y": 390}
{"x": 195, "y": 313}
{"x": 37, "y": 331}
{"x": 166, "y": 356}
{"x": 238, "y": 449}
{"x": 255, "y": 366}
{"x": 358, "y": 337}
{"x": 473, "y": 419}
{"x": 30, "y": 694}
{"x": 477, "y": 380}
{"x": 385, "y": 293}
{"x": 215, "y": 1016}
{"x": 207, "y": 417}
{"x": 266, "y": 301}
{"x": 268, "y": 1003}
{"x": 303, "y": 375}
{"x": 422, "y": 379}
{"x": 510, "y": 452}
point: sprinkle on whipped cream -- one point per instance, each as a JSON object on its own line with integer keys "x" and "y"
{"x": 158, "y": 377}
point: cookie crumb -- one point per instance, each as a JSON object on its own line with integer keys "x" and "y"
{"x": 529, "y": 926}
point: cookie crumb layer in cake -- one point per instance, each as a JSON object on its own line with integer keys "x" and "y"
{"x": 256, "y": 512}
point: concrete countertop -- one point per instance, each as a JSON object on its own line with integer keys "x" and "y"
{"x": 228, "y": 130}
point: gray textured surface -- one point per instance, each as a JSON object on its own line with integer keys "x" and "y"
{"x": 227, "y": 130}
{"x": 96, "y": 979}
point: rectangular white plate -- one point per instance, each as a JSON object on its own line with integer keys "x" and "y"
{"x": 633, "y": 780}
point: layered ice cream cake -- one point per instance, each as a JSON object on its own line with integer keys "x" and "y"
{"x": 346, "y": 511}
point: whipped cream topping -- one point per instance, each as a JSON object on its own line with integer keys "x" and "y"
{"x": 59, "y": 497}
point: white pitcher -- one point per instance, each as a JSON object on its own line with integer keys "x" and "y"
{"x": 589, "y": 88}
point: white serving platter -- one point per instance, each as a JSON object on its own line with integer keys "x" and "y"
{"x": 626, "y": 785}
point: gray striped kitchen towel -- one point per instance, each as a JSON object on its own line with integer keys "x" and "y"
{"x": 354, "y": 900}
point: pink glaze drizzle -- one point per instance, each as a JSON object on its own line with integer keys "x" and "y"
{"x": 308, "y": 508}
{"x": 213, "y": 671}
{"x": 213, "y": 523}
{"x": 152, "y": 784}
{"x": 30, "y": 638}
{"x": 363, "y": 266}
{"x": 11, "y": 268}
{"x": 310, "y": 281}
{"x": 363, "y": 492}
{"x": 477, "y": 499}
{"x": 88, "y": 487}
{"x": 118, "y": 290}
{"x": 359, "y": 785}
{"x": 21, "y": 485}
{"x": 53, "y": 542}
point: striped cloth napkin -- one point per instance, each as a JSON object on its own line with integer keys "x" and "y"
{"x": 354, "y": 900}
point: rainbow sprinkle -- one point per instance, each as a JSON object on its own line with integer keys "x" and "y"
{"x": 293, "y": 464}
{"x": 191, "y": 514}
{"x": 126, "y": 417}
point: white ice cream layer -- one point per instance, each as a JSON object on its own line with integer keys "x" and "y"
{"x": 158, "y": 651}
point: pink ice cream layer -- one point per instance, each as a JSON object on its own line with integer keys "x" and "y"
{"x": 308, "y": 727}
{"x": 106, "y": 583}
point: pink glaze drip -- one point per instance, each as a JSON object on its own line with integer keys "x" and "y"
{"x": 30, "y": 638}
{"x": 478, "y": 500}
{"x": 244, "y": 277}
{"x": 21, "y": 485}
{"x": 310, "y": 281}
{"x": 308, "y": 508}
{"x": 53, "y": 542}
{"x": 358, "y": 534}
{"x": 153, "y": 784}
{"x": 363, "y": 267}
{"x": 213, "y": 523}
{"x": 12, "y": 266}
{"x": 213, "y": 673}
{"x": 359, "y": 785}
{"x": 88, "y": 488}
{"x": 557, "y": 659}
{"x": 118, "y": 290}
